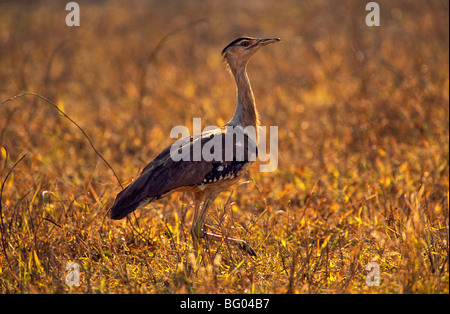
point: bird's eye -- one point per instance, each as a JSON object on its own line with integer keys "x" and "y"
{"x": 245, "y": 43}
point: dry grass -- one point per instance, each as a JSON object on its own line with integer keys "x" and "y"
{"x": 363, "y": 146}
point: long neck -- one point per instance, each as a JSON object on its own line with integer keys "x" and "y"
{"x": 246, "y": 113}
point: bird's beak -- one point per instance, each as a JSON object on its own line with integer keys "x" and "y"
{"x": 266, "y": 41}
{"x": 263, "y": 42}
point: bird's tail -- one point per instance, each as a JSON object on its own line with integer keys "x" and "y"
{"x": 127, "y": 201}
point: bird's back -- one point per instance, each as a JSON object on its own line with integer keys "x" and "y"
{"x": 225, "y": 155}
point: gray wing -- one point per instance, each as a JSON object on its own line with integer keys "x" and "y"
{"x": 223, "y": 155}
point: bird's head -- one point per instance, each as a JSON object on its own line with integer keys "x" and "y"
{"x": 242, "y": 48}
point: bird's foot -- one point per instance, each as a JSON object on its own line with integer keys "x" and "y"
{"x": 198, "y": 233}
{"x": 241, "y": 244}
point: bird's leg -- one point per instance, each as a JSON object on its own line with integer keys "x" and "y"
{"x": 198, "y": 228}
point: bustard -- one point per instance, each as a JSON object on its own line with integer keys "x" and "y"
{"x": 205, "y": 179}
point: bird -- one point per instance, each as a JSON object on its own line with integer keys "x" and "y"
{"x": 234, "y": 149}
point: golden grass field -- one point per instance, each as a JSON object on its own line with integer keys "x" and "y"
{"x": 363, "y": 124}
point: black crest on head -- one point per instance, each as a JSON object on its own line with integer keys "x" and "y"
{"x": 234, "y": 42}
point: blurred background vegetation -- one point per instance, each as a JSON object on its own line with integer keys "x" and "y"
{"x": 363, "y": 121}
